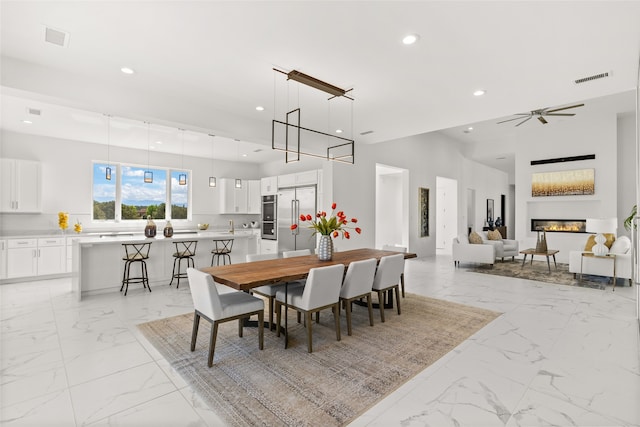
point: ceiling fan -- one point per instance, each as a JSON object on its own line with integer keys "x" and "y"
{"x": 541, "y": 113}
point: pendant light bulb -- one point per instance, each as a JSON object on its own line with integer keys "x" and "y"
{"x": 212, "y": 179}
{"x": 148, "y": 175}
{"x": 107, "y": 172}
{"x": 182, "y": 178}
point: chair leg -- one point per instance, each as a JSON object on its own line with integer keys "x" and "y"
{"x": 270, "y": 302}
{"x": 173, "y": 271}
{"x": 307, "y": 319}
{"x": 194, "y": 333}
{"x": 145, "y": 274}
{"x": 370, "y": 304}
{"x": 317, "y": 317}
{"x": 212, "y": 342}
{"x": 278, "y": 317}
{"x": 261, "y": 330}
{"x": 402, "y": 283}
{"x": 348, "y": 310}
{"x": 240, "y": 325}
{"x": 381, "y": 304}
{"x": 336, "y": 315}
{"x": 398, "y": 298}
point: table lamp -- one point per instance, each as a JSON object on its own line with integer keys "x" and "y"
{"x": 600, "y": 226}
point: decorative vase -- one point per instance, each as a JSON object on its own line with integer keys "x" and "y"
{"x": 325, "y": 248}
{"x": 541, "y": 244}
{"x": 168, "y": 229}
{"x": 150, "y": 229}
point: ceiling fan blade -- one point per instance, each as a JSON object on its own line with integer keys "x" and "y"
{"x": 565, "y": 108}
{"x": 542, "y": 120}
{"x": 559, "y": 114}
{"x": 525, "y": 120}
{"x": 515, "y": 118}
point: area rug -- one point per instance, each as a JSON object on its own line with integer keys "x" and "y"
{"x": 331, "y": 386}
{"x": 540, "y": 272}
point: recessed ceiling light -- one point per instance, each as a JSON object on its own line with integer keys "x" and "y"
{"x": 338, "y": 130}
{"x": 479, "y": 92}
{"x": 260, "y": 108}
{"x": 468, "y": 130}
{"x": 500, "y": 158}
{"x": 410, "y": 39}
{"x": 127, "y": 70}
{"x": 158, "y": 142}
{"x": 244, "y": 155}
{"x": 28, "y": 122}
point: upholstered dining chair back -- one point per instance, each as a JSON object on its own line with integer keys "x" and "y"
{"x": 299, "y": 252}
{"x": 260, "y": 257}
{"x": 359, "y": 278}
{"x": 394, "y": 248}
{"x": 322, "y": 287}
{"x": 204, "y": 293}
{"x": 389, "y": 271}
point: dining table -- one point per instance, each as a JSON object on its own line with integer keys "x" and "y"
{"x": 249, "y": 275}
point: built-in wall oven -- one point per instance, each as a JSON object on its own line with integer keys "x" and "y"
{"x": 269, "y": 220}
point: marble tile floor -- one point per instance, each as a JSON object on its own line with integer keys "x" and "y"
{"x": 558, "y": 355}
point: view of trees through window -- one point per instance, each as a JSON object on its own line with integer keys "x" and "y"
{"x": 137, "y": 199}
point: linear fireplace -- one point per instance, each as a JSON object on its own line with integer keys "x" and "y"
{"x": 559, "y": 225}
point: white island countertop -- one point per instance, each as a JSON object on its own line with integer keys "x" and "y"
{"x": 128, "y": 237}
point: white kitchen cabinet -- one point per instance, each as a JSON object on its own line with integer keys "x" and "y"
{"x": 3, "y": 259}
{"x": 268, "y": 246}
{"x": 254, "y": 198}
{"x": 269, "y": 185}
{"x": 20, "y": 186}
{"x": 243, "y": 200}
{"x": 22, "y": 258}
{"x": 298, "y": 179}
{"x": 52, "y": 256}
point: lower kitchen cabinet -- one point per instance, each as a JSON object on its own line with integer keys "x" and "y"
{"x": 35, "y": 257}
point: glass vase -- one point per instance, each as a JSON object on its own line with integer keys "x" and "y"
{"x": 325, "y": 248}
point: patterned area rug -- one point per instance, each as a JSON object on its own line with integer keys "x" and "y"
{"x": 329, "y": 387}
{"x": 540, "y": 272}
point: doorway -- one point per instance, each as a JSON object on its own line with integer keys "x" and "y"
{"x": 446, "y": 213}
{"x": 392, "y": 206}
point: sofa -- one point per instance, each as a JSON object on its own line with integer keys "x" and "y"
{"x": 504, "y": 247}
{"x": 598, "y": 266}
{"x": 463, "y": 251}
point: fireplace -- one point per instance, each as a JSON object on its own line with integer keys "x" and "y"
{"x": 559, "y": 225}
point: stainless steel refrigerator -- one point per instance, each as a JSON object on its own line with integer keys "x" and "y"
{"x": 291, "y": 203}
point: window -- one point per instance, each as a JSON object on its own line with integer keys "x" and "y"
{"x": 135, "y": 199}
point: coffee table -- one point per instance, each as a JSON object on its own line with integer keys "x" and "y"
{"x": 548, "y": 253}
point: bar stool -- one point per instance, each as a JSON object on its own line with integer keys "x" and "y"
{"x": 222, "y": 249}
{"x": 135, "y": 252}
{"x": 185, "y": 250}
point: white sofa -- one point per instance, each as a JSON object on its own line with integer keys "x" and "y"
{"x": 604, "y": 267}
{"x": 463, "y": 251}
{"x": 504, "y": 247}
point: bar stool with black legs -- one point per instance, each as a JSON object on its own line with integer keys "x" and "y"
{"x": 185, "y": 251}
{"x": 222, "y": 249}
{"x": 135, "y": 253}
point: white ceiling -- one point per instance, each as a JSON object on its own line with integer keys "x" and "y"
{"x": 205, "y": 65}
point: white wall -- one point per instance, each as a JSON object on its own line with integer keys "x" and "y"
{"x": 582, "y": 134}
{"x": 626, "y": 168}
{"x": 67, "y": 180}
{"x": 389, "y": 210}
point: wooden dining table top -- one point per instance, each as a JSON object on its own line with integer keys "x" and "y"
{"x": 248, "y": 275}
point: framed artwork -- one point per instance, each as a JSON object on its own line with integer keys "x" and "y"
{"x": 563, "y": 183}
{"x": 490, "y": 216}
{"x": 423, "y": 207}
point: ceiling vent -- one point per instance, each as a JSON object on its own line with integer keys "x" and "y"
{"x": 34, "y": 111}
{"x": 366, "y": 132}
{"x": 594, "y": 77}
{"x": 57, "y": 37}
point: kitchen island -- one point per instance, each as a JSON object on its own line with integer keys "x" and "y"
{"x": 97, "y": 260}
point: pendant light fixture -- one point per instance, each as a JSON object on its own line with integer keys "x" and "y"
{"x": 107, "y": 173}
{"x": 148, "y": 175}
{"x": 212, "y": 179}
{"x": 238, "y": 180}
{"x": 182, "y": 178}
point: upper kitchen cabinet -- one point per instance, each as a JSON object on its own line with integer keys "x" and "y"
{"x": 20, "y": 186}
{"x": 269, "y": 185}
{"x": 239, "y": 200}
{"x": 298, "y": 179}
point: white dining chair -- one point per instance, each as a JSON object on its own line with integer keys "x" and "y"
{"x": 269, "y": 291}
{"x": 402, "y": 249}
{"x": 218, "y": 308}
{"x": 299, "y": 252}
{"x": 357, "y": 284}
{"x": 321, "y": 291}
{"x": 387, "y": 278}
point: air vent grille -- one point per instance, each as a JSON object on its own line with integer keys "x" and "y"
{"x": 57, "y": 37}
{"x": 590, "y": 78}
{"x": 34, "y": 111}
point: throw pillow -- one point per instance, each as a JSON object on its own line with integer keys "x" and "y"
{"x": 591, "y": 241}
{"x": 475, "y": 238}
{"x": 620, "y": 246}
{"x": 494, "y": 235}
